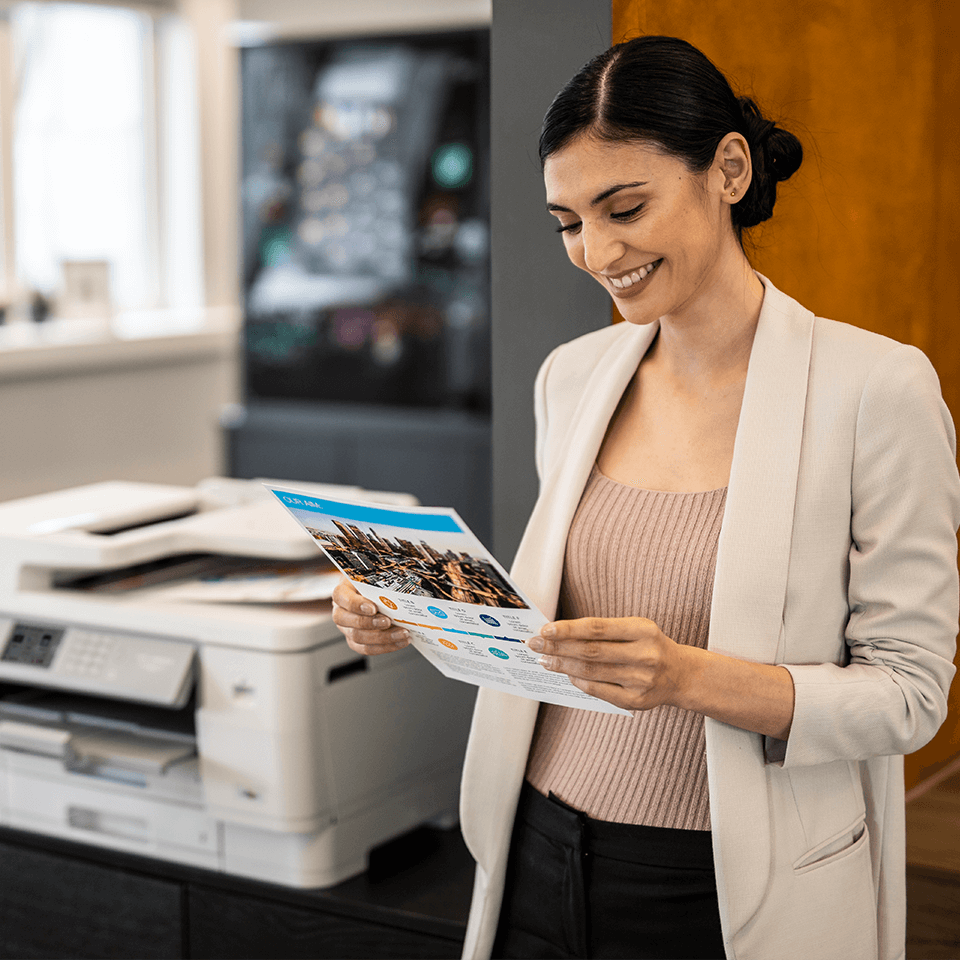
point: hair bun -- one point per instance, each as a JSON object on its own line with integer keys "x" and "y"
{"x": 776, "y": 154}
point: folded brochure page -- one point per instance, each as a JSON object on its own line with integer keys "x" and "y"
{"x": 425, "y": 569}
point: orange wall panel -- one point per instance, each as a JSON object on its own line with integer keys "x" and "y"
{"x": 868, "y": 230}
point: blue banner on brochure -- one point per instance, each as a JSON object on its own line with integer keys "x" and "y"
{"x": 362, "y": 513}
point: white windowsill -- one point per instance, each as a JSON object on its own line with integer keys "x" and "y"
{"x": 34, "y": 350}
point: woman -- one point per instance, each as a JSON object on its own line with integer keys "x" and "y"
{"x": 747, "y": 532}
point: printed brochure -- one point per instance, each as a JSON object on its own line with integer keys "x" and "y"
{"x": 424, "y": 569}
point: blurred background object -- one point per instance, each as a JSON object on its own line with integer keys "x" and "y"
{"x": 365, "y": 220}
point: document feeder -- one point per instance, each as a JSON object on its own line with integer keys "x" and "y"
{"x": 242, "y": 737}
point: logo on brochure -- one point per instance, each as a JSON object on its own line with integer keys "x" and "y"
{"x": 388, "y": 603}
{"x": 497, "y": 652}
{"x": 437, "y": 612}
{"x": 486, "y": 618}
{"x": 447, "y": 643}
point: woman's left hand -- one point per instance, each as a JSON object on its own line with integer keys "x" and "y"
{"x": 627, "y": 661}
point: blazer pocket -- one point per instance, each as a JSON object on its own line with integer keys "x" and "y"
{"x": 847, "y": 843}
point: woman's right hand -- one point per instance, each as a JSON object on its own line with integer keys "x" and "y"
{"x": 367, "y": 631}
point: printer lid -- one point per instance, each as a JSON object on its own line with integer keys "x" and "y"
{"x": 116, "y": 524}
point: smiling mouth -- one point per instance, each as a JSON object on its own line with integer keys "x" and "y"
{"x": 629, "y": 279}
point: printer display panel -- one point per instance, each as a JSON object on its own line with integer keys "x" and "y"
{"x": 32, "y": 644}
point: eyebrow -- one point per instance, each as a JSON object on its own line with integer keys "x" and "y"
{"x": 600, "y": 197}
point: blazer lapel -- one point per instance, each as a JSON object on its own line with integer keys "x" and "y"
{"x": 754, "y": 548}
{"x": 750, "y": 587}
{"x": 539, "y": 560}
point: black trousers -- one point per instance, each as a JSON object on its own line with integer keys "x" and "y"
{"x": 578, "y": 887}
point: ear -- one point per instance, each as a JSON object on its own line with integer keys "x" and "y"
{"x": 733, "y": 167}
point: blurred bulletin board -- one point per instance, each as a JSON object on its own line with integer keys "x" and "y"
{"x": 868, "y": 230}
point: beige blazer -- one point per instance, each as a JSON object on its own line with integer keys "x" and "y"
{"x": 837, "y": 558}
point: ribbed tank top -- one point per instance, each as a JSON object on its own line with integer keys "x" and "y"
{"x": 633, "y": 552}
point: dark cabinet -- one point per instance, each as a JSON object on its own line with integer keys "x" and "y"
{"x": 59, "y": 899}
{"x": 55, "y": 906}
{"x": 224, "y": 926}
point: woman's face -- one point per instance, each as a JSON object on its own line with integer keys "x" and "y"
{"x": 655, "y": 236}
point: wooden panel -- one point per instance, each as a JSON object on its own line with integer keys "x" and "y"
{"x": 224, "y": 926}
{"x": 928, "y": 843}
{"x": 53, "y": 906}
{"x": 933, "y": 914}
{"x": 868, "y": 231}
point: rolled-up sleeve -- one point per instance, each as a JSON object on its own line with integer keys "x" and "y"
{"x": 891, "y": 695}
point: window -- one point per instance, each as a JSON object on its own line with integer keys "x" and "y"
{"x": 103, "y": 151}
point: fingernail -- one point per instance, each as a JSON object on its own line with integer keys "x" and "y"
{"x": 381, "y": 621}
{"x": 548, "y": 663}
{"x": 548, "y": 630}
{"x": 535, "y": 643}
{"x": 399, "y": 635}
{"x": 368, "y": 608}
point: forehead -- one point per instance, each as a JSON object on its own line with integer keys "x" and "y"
{"x": 586, "y": 167}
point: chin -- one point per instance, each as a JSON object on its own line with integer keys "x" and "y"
{"x": 635, "y": 314}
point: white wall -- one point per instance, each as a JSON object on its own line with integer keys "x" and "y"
{"x": 318, "y": 18}
{"x": 130, "y": 410}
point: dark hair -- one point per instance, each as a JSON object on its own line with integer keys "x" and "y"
{"x": 663, "y": 90}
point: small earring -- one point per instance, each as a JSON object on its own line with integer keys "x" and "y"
{"x": 733, "y": 193}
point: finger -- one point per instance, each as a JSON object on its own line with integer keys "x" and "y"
{"x": 374, "y": 642}
{"x": 611, "y": 692}
{"x": 377, "y": 629}
{"x": 375, "y": 649}
{"x": 345, "y": 595}
{"x": 618, "y": 629}
{"x": 581, "y": 670}
{"x": 344, "y": 618}
{"x": 588, "y": 650}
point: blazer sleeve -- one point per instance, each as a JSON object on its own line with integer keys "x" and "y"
{"x": 891, "y": 695}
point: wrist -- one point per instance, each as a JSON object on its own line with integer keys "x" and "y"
{"x": 758, "y": 697}
{"x": 691, "y": 666}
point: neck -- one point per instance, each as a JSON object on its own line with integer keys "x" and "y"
{"x": 711, "y": 337}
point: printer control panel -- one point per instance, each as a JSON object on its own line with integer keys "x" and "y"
{"x": 107, "y": 663}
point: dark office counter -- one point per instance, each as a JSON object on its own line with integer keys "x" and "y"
{"x": 62, "y": 900}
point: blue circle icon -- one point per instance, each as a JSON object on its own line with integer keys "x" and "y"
{"x": 497, "y": 652}
{"x": 437, "y": 612}
{"x": 486, "y": 618}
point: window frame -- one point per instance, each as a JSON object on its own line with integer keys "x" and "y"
{"x": 157, "y": 208}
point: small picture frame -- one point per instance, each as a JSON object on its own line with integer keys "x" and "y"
{"x": 86, "y": 290}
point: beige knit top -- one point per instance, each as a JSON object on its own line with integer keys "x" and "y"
{"x": 648, "y": 553}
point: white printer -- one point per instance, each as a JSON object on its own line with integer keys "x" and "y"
{"x": 241, "y": 737}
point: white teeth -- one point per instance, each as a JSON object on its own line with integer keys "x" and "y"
{"x": 622, "y": 283}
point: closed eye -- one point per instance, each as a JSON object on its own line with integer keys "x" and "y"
{"x": 627, "y": 214}
{"x": 623, "y": 216}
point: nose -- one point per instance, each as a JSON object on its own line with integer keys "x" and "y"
{"x": 600, "y": 248}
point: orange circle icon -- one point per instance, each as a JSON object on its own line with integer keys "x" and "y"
{"x": 447, "y": 643}
{"x": 388, "y": 603}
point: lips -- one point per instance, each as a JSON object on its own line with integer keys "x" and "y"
{"x": 629, "y": 279}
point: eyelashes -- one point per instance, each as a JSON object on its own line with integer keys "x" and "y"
{"x": 623, "y": 217}
{"x": 628, "y": 214}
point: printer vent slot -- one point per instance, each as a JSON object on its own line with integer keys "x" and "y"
{"x": 347, "y": 669}
{"x": 30, "y": 704}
